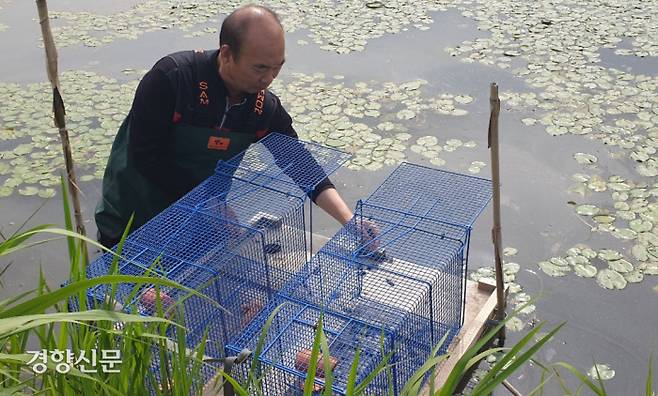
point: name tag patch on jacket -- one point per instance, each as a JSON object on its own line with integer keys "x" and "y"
{"x": 218, "y": 143}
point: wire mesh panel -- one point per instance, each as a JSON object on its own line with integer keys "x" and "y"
{"x": 302, "y": 163}
{"x": 413, "y": 264}
{"x": 224, "y": 261}
{"x": 287, "y": 349}
{"x": 236, "y": 238}
{"x": 435, "y": 194}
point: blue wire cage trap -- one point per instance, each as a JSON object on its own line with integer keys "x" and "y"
{"x": 406, "y": 284}
{"x": 285, "y": 356}
{"x": 412, "y": 296}
{"x": 236, "y": 238}
{"x": 240, "y": 239}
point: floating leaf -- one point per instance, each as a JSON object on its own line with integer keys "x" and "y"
{"x": 551, "y": 269}
{"x": 639, "y": 225}
{"x": 585, "y": 270}
{"x": 587, "y": 210}
{"x": 610, "y": 279}
{"x": 515, "y": 324}
{"x": 406, "y": 114}
{"x": 511, "y": 268}
{"x": 29, "y": 190}
{"x": 624, "y": 233}
{"x": 437, "y": 161}
{"x": 634, "y": 276}
{"x": 604, "y": 372}
{"x": 610, "y": 255}
{"x": 621, "y": 266}
{"x": 510, "y": 251}
{"x": 604, "y": 219}
{"x": 649, "y": 268}
{"x": 583, "y": 158}
{"x": 46, "y": 192}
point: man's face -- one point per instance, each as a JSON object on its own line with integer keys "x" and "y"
{"x": 261, "y": 57}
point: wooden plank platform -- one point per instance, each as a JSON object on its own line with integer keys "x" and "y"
{"x": 480, "y": 305}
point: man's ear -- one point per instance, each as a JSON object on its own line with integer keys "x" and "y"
{"x": 225, "y": 53}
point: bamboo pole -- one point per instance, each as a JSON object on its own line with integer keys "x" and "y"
{"x": 496, "y": 230}
{"x": 60, "y": 113}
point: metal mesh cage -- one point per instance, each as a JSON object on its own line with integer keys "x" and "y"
{"x": 406, "y": 282}
{"x": 435, "y": 194}
{"x": 289, "y": 160}
{"x": 414, "y": 265}
{"x": 288, "y": 343}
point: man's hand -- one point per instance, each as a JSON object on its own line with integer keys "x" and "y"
{"x": 369, "y": 233}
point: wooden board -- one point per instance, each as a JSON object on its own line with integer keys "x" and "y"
{"x": 480, "y": 305}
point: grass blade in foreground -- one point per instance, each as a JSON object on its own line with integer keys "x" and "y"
{"x": 255, "y": 364}
{"x": 412, "y": 387}
{"x": 309, "y": 385}
{"x": 511, "y": 361}
{"x": 326, "y": 361}
{"x": 649, "y": 385}
{"x": 582, "y": 377}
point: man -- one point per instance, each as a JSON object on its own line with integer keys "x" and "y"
{"x": 192, "y": 109}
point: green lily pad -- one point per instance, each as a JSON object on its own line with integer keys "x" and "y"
{"x": 515, "y": 324}
{"x": 46, "y": 193}
{"x": 619, "y": 186}
{"x": 29, "y": 190}
{"x": 610, "y": 255}
{"x": 601, "y": 371}
{"x": 610, "y": 279}
{"x": 437, "y": 161}
{"x": 553, "y": 270}
{"x": 624, "y": 233}
{"x": 514, "y": 288}
{"x": 585, "y": 270}
{"x": 405, "y": 114}
{"x": 587, "y": 210}
{"x": 649, "y": 268}
{"x": 588, "y": 252}
{"x": 5, "y": 191}
{"x": 510, "y": 251}
{"x": 577, "y": 259}
{"x": 639, "y": 225}
{"x": 559, "y": 261}
{"x": 604, "y": 219}
{"x": 634, "y": 276}
{"x": 639, "y": 252}
{"x": 583, "y": 158}
{"x": 511, "y": 268}
{"x": 621, "y": 266}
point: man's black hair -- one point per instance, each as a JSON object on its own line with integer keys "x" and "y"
{"x": 234, "y": 28}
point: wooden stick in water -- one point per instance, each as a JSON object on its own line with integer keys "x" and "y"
{"x": 60, "y": 112}
{"x": 496, "y": 231}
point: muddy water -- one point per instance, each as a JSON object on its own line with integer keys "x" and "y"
{"x": 613, "y": 327}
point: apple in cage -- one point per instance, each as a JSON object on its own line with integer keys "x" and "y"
{"x": 149, "y": 301}
{"x": 303, "y": 358}
{"x": 249, "y": 311}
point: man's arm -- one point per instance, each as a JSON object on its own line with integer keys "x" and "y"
{"x": 331, "y": 202}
